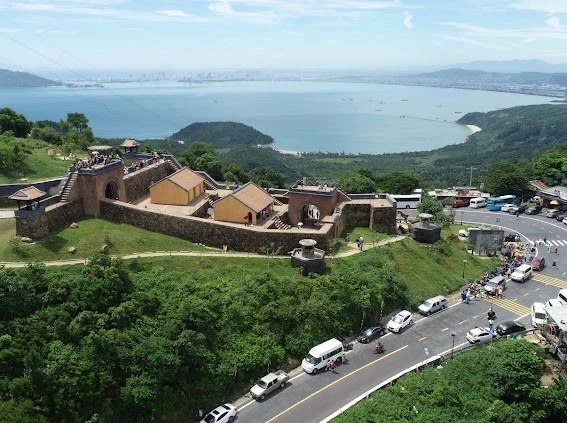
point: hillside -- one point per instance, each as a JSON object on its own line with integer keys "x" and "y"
{"x": 222, "y": 134}
{"x": 458, "y": 74}
{"x": 9, "y": 79}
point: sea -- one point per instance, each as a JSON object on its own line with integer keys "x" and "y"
{"x": 301, "y": 116}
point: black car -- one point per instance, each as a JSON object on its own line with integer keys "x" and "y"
{"x": 512, "y": 238}
{"x": 561, "y": 216}
{"x": 510, "y": 327}
{"x": 533, "y": 210}
{"x": 369, "y": 333}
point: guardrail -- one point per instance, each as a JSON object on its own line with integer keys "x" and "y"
{"x": 435, "y": 359}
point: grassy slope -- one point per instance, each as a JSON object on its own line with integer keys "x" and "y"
{"x": 88, "y": 238}
{"x": 427, "y": 270}
{"x": 38, "y": 165}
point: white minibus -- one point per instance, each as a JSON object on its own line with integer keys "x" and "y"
{"x": 319, "y": 356}
{"x": 477, "y": 203}
{"x": 409, "y": 201}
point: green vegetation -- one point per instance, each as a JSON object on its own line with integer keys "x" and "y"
{"x": 88, "y": 238}
{"x": 222, "y": 134}
{"x": 157, "y": 338}
{"x": 490, "y": 384}
{"x": 12, "y": 79}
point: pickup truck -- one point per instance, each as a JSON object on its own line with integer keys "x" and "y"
{"x": 269, "y": 383}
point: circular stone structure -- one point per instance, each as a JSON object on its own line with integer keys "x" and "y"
{"x": 425, "y": 230}
{"x": 311, "y": 259}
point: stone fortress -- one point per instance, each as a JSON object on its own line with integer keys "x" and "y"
{"x": 164, "y": 197}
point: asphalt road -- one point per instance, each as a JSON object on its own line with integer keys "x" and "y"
{"x": 311, "y": 398}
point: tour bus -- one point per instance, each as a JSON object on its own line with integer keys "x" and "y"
{"x": 409, "y": 201}
{"x": 477, "y": 203}
{"x": 496, "y": 203}
{"x": 319, "y": 356}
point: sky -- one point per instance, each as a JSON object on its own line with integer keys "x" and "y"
{"x": 276, "y": 34}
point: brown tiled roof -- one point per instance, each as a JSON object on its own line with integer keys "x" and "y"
{"x": 27, "y": 194}
{"x": 539, "y": 185}
{"x": 253, "y": 197}
{"x": 130, "y": 143}
{"x": 185, "y": 178}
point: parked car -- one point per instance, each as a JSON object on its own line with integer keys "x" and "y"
{"x": 400, "y": 321}
{"x": 497, "y": 281}
{"x": 539, "y": 316}
{"x": 513, "y": 209}
{"x": 479, "y": 335}
{"x": 369, "y": 333}
{"x": 533, "y": 210}
{"x": 433, "y": 305}
{"x": 509, "y": 328}
{"x": 222, "y": 414}
{"x": 538, "y": 263}
{"x": 561, "y": 216}
{"x": 506, "y": 207}
{"x": 268, "y": 384}
{"x": 461, "y": 202}
{"x": 565, "y": 220}
{"x": 512, "y": 238}
{"x": 552, "y": 213}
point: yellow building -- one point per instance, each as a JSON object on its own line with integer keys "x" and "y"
{"x": 248, "y": 204}
{"x": 179, "y": 188}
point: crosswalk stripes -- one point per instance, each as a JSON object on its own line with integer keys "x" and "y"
{"x": 553, "y": 243}
{"x": 550, "y": 280}
{"x": 510, "y": 305}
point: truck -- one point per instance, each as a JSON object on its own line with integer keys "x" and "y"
{"x": 268, "y": 384}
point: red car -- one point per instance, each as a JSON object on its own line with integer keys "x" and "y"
{"x": 460, "y": 203}
{"x": 538, "y": 263}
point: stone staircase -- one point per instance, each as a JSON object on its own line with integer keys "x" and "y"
{"x": 280, "y": 224}
{"x": 68, "y": 186}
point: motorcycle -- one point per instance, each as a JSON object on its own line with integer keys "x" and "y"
{"x": 378, "y": 348}
{"x": 348, "y": 346}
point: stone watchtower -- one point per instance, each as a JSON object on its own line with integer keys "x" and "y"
{"x": 103, "y": 182}
{"x": 309, "y": 203}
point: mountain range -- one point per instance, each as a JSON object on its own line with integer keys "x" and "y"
{"x": 10, "y": 79}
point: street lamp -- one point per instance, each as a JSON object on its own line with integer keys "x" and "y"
{"x": 464, "y": 265}
{"x": 453, "y": 347}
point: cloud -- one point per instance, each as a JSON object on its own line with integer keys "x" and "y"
{"x": 225, "y": 9}
{"x": 408, "y": 20}
{"x": 174, "y": 13}
{"x": 553, "y": 22}
{"x": 531, "y": 34}
{"x": 546, "y": 6}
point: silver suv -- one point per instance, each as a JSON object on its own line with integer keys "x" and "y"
{"x": 433, "y": 305}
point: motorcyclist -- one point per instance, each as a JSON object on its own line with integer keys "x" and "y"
{"x": 378, "y": 348}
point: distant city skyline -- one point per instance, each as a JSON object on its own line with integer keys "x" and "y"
{"x": 280, "y": 34}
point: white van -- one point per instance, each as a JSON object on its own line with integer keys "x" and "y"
{"x": 539, "y": 316}
{"x": 319, "y": 356}
{"x": 562, "y": 296}
{"x": 522, "y": 273}
{"x": 554, "y": 302}
{"x": 477, "y": 203}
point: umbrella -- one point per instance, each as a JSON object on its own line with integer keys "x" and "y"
{"x": 554, "y": 202}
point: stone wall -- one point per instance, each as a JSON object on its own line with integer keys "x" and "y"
{"x": 33, "y": 228}
{"x": 356, "y": 214}
{"x": 63, "y": 214}
{"x": 325, "y": 202}
{"x": 383, "y": 219}
{"x": 211, "y": 233}
{"x": 55, "y": 217}
{"x": 137, "y": 184}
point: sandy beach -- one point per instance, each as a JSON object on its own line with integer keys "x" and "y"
{"x": 473, "y": 128}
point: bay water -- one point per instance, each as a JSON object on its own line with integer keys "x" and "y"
{"x": 306, "y": 116}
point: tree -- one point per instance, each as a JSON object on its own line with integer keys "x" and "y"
{"x": 194, "y": 151}
{"x": 235, "y": 173}
{"x": 505, "y": 178}
{"x": 397, "y": 183}
{"x": 47, "y": 134}
{"x": 267, "y": 178}
{"x": 211, "y": 164}
{"x": 357, "y": 184}
{"x": 12, "y": 121}
{"x": 77, "y": 122}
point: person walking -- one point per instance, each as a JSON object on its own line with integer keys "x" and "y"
{"x": 491, "y": 314}
{"x": 554, "y": 265}
{"x": 328, "y": 366}
{"x": 332, "y": 366}
{"x": 556, "y": 250}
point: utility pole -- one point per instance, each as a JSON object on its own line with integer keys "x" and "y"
{"x": 470, "y": 180}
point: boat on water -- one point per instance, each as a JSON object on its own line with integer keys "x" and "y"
{"x": 458, "y": 112}
{"x": 404, "y": 99}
